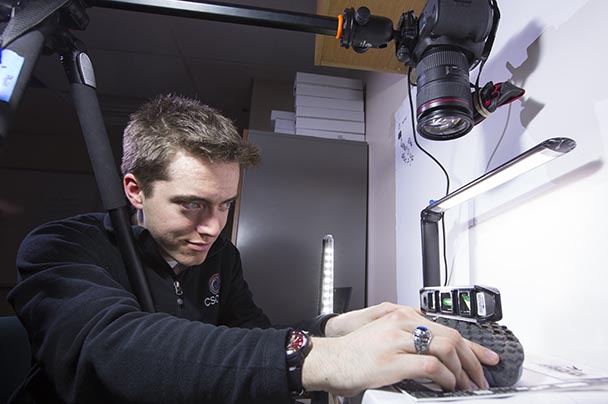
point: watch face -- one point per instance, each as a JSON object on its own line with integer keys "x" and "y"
{"x": 297, "y": 339}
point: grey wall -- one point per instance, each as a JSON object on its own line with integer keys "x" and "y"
{"x": 305, "y": 188}
{"x": 267, "y": 95}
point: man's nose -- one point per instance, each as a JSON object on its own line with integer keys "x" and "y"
{"x": 210, "y": 224}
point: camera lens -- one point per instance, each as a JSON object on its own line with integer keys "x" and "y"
{"x": 444, "y": 107}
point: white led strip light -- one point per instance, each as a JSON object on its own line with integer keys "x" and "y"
{"x": 327, "y": 276}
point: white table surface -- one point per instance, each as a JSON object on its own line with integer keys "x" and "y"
{"x": 538, "y": 370}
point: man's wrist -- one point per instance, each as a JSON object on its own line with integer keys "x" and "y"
{"x": 318, "y": 367}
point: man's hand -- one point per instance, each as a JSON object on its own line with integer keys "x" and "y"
{"x": 353, "y": 320}
{"x": 376, "y": 348}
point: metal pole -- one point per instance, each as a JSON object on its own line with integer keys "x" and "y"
{"x": 246, "y": 15}
{"x": 79, "y": 70}
{"x": 431, "y": 267}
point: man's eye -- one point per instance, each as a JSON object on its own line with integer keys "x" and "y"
{"x": 191, "y": 205}
{"x": 226, "y": 205}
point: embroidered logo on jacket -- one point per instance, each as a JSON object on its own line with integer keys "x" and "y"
{"x": 214, "y": 287}
{"x": 215, "y": 283}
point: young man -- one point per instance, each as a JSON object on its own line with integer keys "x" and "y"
{"x": 207, "y": 342}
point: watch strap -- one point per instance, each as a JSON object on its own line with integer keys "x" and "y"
{"x": 297, "y": 347}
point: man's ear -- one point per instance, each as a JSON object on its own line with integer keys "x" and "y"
{"x": 133, "y": 190}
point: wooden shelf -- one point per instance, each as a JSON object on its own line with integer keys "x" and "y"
{"x": 328, "y": 51}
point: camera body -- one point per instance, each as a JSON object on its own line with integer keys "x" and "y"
{"x": 460, "y": 26}
{"x": 450, "y": 40}
{"x": 447, "y": 41}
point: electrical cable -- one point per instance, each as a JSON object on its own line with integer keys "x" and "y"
{"x": 447, "y": 176}
{"x": 500, "y": 139}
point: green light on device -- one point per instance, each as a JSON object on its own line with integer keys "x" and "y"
{"x": 446, "y": 302}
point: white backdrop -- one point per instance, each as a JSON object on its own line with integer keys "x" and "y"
{"x": 541, "y": 239}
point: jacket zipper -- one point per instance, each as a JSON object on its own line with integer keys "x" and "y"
{"x": 178, "y": 292}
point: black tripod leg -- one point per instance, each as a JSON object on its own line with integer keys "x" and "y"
{"x": 80, "y": 73}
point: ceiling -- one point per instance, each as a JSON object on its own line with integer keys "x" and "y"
{"x": 137, "y": 55}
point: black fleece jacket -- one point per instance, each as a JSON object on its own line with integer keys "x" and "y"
{"x": 207, "y": 342}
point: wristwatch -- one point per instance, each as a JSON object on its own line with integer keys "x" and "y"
{"x": 297, "y": 346}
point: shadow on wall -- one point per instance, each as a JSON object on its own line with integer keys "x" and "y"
{"x": 519, "y": 74}
{"x": 527, "y": 106}
{"x": 563, "y": 71}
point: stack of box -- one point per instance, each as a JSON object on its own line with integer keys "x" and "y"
{"x": 283, "y": 121}
{"x": 329, "y": 107}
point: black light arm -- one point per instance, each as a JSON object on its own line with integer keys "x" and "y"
{"x": 431, "y": 267}
{"x": 354, "y": 28}
{"x": 237, "y": 14}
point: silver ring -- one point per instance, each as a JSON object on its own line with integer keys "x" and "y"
{"x": 422, "y": 339}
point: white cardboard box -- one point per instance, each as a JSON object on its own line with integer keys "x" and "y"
{"x": 329, "y": 113}
{"x": 324, "y": 80}
{"x": 330, "y": 124}
{"x": 331, "y": 135}
{"x": 281, "y": 125}
{"x": 286, "y": 131}
{"x": 322, "y": 102}
{"x": 328, "y": 92}
{"x": 276, "y": 114}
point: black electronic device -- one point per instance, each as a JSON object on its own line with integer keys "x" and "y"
{"x": 474, "y": 311}
{"x": 467, "y": 303}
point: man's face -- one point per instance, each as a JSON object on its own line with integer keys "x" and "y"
{"x": 186, "y": 213}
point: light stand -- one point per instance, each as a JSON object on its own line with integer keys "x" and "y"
{"x": 81, "y": 75}
{"x": 432, "y": 214}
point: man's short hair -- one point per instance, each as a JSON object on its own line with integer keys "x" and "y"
{"x": 171, "y": 123}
